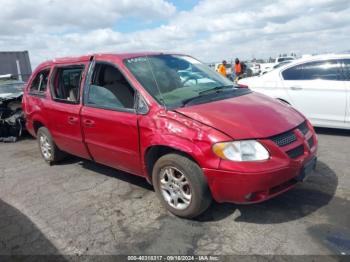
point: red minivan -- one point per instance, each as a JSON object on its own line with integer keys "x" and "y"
{"x": 169, "y": 118}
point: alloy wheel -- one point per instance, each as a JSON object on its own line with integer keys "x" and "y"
{"x": 175, "y": 188}
{"x": 45, "y": 146}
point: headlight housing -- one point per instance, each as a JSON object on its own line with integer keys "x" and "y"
{"x": 244, "y": 150}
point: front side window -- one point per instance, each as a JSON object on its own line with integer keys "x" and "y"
{"x": 325, "y": 70}
{"x": 173, "y": 80}
{"x": 66, "y": 83}
{"x": 293, "y": 73}
{"x": 109, "y": 89}
{"x": 39, "y": 83}
{"x": 322, "y": 70}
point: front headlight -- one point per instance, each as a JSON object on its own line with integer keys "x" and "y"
{"x": 244, "y": 150}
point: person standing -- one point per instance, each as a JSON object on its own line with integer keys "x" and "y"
{"x": 222, "y": 68}
{"x": 238, "y": 67}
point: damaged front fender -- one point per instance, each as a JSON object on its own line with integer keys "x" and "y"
{"x": 173, "y": 130}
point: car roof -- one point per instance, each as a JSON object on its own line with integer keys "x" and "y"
{"x": 292, "y": 57}
{"x": 313, "y": 58}
{"x": 121, "y": 56}
{"x": 323, "y": 57}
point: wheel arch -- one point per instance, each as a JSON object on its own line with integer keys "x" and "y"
{"x": 154, "y": 152}
{"x": 36, "y": 125}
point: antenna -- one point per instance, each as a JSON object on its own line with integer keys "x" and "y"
{"x": 155, "y": 80}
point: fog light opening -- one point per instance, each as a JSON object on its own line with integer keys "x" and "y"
{"x": 256, "y": 196}
{"x": 249, "y": 196}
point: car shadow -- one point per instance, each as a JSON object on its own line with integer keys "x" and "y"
{"x": 332, "y": 131}
{"x": 107, "y": 171}
{"x": 20, "y": 238}
{"x": 299, "y": 202}
{"x": 118, "y": 174}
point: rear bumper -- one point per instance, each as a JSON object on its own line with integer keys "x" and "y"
{"x": 30, "y": 128}
{"x": 247, "y": 188}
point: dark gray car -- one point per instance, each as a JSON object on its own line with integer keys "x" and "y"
{"x": 11, "y": 114}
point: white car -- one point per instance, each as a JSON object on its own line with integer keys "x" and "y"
{"x": 276, "y": 66}
{"x": 267, "y": 67}
{"x": 317, "y": 86}
{"x": 255, "y": 67}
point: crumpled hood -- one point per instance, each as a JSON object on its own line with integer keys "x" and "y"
{"x": 5, "y": 96}
{"x": 249, "y": 116}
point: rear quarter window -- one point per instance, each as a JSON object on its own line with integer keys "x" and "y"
{"x": 39, "y": 84}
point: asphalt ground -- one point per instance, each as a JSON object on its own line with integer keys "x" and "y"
{"x": 81, "y": 208}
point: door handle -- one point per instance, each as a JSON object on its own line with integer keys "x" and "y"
{"x": 72, "y": 120}
{"x": 296, "y": 88}
{"x": 89, "y": 123}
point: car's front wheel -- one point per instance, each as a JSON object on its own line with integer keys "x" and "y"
{"x": 181, "y": 185}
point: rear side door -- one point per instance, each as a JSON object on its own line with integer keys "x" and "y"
{"x": 109, "y": 119}
{"x": 318, "y": 91}
{"x": 64, "y": 110}
{"x": 35, "y": 99}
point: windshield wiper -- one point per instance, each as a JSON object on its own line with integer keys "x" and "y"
{"x": 215, "y": 89}
{"x": 205, "y": 93}
{"x": 190, "y": 100}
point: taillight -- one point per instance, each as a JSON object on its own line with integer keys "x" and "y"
{"x": 242, "y": 86}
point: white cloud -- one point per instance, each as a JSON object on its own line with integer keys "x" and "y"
{"x": 212, "y": 30}
{"x": 47, "y": 15}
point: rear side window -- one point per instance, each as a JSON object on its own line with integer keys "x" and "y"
{"x": 66, "y": 83}
{"x": 39, "y": 83}
{"x": 346, "y": 70}
{"x": 109, "y": 89}
{"x": 324, "y": 70}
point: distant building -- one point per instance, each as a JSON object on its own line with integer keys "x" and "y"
{"x": 15, "y": 63}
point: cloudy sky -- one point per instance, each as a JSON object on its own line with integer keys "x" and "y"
{"x": 209, "y": 29}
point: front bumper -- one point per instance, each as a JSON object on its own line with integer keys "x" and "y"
{"x": 253, "y": 182}
{"x": 236, "y": 187}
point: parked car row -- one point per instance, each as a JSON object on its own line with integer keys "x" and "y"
{"x": 275, "y": 66}
{"x": 168, "y": 118}
{"x": 267, "y": 67}
{"x": 318, "y": 86}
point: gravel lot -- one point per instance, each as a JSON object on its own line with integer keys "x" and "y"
{"x": 79, "y": 207}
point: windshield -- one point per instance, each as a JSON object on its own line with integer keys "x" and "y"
{"x": 282, "y": 59}
{"x": 174, "y": 79}
{"x": 6, "y": 88}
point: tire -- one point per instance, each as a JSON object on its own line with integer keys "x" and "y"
{"x": 192, "y": 192}
{"x": 50, "y": 152}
